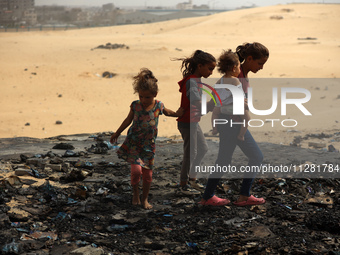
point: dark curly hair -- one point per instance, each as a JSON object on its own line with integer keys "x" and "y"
{"x": 145, "y": 80}
{"x": 227, "y": 61}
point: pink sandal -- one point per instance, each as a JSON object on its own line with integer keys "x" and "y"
{"x": 215, "y": 201}
{"x": 251, "y": 201}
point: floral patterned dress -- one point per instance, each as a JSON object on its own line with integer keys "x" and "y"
{"x": 139, "y": 145}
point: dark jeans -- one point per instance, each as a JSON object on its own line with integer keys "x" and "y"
{"x": 228, "y": 142}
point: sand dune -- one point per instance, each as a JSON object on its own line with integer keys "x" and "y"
{"x": 48, "y": 76}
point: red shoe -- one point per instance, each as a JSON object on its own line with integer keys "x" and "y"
{"x": 251, "y": 201}
{"x": 216, "y": 201}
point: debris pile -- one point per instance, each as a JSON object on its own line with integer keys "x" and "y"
{"x": 113, "y": 46}
{"x": 318, "y": 141}
{"x": 69, "y": 195}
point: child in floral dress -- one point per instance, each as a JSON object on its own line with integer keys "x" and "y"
{"x": 139, "y": 146}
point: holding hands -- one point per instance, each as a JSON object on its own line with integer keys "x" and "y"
{"x": 114, "y": 138}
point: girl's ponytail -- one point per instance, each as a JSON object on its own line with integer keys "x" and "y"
{"x": 189, "y": 64}
{"x": 256, "y": 50}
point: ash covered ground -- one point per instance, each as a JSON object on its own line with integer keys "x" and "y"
{"x": 72, "y": 195}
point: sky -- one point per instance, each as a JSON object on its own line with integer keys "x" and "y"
{"x": 225, "y": 4}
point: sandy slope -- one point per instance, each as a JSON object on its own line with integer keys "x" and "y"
{"x": 50, "y": 76}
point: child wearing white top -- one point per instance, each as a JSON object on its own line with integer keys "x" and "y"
{"x": 229, "y": 65}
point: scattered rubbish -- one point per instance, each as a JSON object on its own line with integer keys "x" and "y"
{"x": 110, "y": 46}
{"x": 102, "y": 147}
{"x": 102, "y": 191}
{"x": 82, "y": 243}
{"x": 84, "y": 164}
{"x": 61, "y": 216}
{"x": 71, "y": 201}
{"x": 108, "y": 75}
{"x": 192, "y": 245}
{"x": 307, "y": 38}
{"x": 87, "y": 250}
{"x": 118, "y": 227}
{"x": 112, "y": 146}
{"x": 83, "y": 201}
{"x": 44, "y": 235}
{"x": 12, "y": 248}
{"x": 293, "y": 131}
{"x": 14, "y": 181}
{"x": 308, "y": 41}
{"x": 23, "y": 172}
{"x": 331, "y": 148}
{"x": 316, "y": 145}
{"x": 167, "y": 215}
{"x": 297, "y": 141}
{"x": 238, "y": 222}
{"x": 261, "y": 231}
{"x": 75, "y": 175}
{"x": 322, "y": 200}
{"x": 81, "y": 192}
{"x": 184, "y": 201}
{"x": 70, "y": 153}
{"x": 287, "y": 10}
{"x": 285, "y": 206}
{"x": 63, "y": 146}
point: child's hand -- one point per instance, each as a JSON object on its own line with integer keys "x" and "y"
{"x": 210, "y": 106}
{"x": 180, "y": 112}
{"x": 114, "y": 138}
{"x": 246, "y": 104}
{"x": 215, "y": 131}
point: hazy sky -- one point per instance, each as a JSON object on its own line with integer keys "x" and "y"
{"x": 227, "y": 4}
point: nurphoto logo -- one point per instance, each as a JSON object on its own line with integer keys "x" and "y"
{"x": 238, "y": 105}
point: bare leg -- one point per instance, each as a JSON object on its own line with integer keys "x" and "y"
{"x": 147, "y": 179}
{"x": 146, "y": 189}
{"x": 135, "y": 196}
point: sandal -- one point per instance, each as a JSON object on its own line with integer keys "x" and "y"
{"x": 251, "y": 201}
{"x": 215, "y": 201}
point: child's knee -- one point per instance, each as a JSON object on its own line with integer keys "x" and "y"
{"x": 147, "y": 175}
{"x": 136, "y": 172}
{"x": 135, "y": 180}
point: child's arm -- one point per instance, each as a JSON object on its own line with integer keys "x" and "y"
{"x": 171, "y": 113}
{"x": 246, "y": 104}
{"x": 246, "y": 116}
{"x": 215, "y": 113}
{"x": 122, "y": 127}
{"x": 210, "y": 105}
